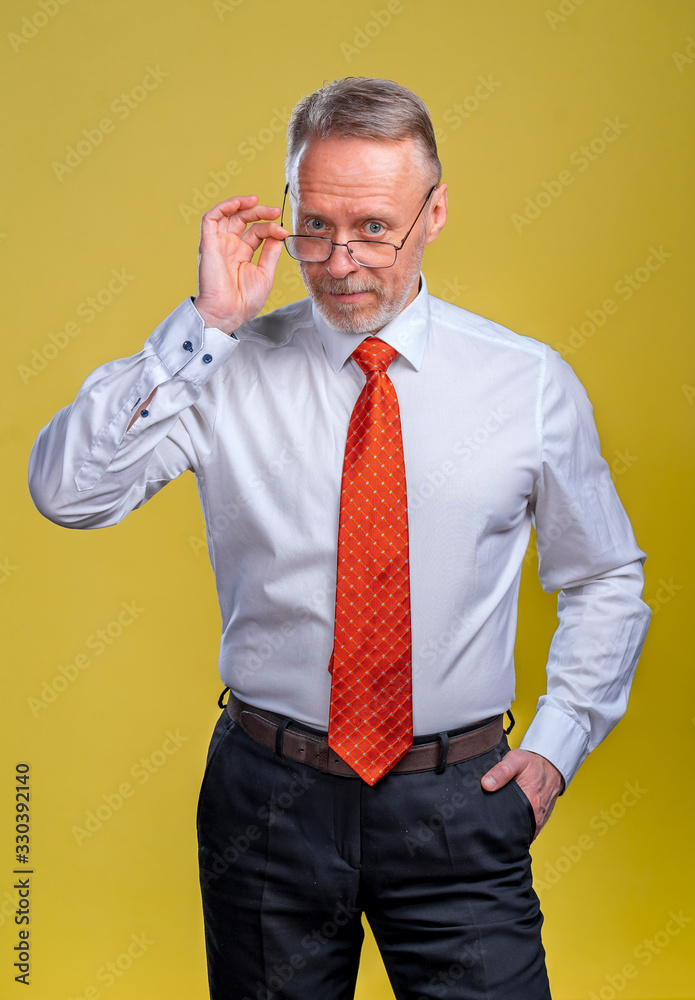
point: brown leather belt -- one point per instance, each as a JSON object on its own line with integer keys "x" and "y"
{"x": 279, "y": 734}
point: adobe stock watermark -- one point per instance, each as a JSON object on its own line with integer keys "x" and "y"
{"x": 451, "y": 290}
{"x": 216, "y": 187}
{"x": 625, "y": 287}
{"x": 565, "y": 10}
{"x": 290, "y": 283}
{"x": 122, "y": 107}
{"x": 434, "y": 649}
{"x": 112, "y": 802}
{"x": 667, "y": 590}
{"x": 9, "y": 909}
{"x": 461, "y": 111}
{"x": 33, "y": 23}
{"x": 211, "y": 192}
{"x": 448, "y": 978}
{"x": 97, "y": 643}
{"x": 591, "y": 492}
{"x": 111, "y": 972}
{"x": 686, "y": 58}
{"x": 268, "y": 642}
{"x": 620, "y": 462}
{"x": 224, "y": 7}
{"x": 313, "y": 944}
{"x": 463, "y": 450}
{"x": 87, "y": 310}
{"x": 225, "y": 517}
{"x": 363, "y": 35}
{"x": 643, "y": 955}
{"x": 239, "y": 844}
{"x": 7, "y": 569}
{"x": 581, "y": 158}
{"x": 600, "y": 824}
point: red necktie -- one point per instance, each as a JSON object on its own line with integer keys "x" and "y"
{"x": 371, "y": 723}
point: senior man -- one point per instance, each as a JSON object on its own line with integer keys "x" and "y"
{"x": 370, "y": 461}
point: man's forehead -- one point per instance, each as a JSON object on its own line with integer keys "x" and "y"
{"x": 354, "y": 168}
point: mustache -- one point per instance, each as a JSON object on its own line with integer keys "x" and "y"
{"x": 343, "y": 286}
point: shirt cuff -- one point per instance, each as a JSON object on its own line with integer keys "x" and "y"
{"x": 189, "y": 350}
{"x": 559, "y": 739}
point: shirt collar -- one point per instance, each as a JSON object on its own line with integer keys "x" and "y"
{"x": 407, "y": 333}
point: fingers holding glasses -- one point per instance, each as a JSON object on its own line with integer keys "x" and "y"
{"x": 237, "y": 213}
{"x": 232, "y": 287}
{"x": 257, "y": 232}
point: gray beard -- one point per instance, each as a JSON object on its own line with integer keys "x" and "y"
{"x": 341, "y": 316}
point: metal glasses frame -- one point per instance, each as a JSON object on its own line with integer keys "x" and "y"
{"x": 350, "y": 243}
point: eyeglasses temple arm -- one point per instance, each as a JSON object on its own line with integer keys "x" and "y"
{"x": 429, "y": 193}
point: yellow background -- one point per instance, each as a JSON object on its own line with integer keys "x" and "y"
{"x": 227, "y": 73}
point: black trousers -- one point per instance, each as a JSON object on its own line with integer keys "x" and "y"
{"x": 291, "y": 858}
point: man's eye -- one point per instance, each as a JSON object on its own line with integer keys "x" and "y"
{"x": 374, "y": 229}
{"x": 315, "y": 224}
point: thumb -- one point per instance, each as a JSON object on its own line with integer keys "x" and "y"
{"x": 502, "y": 773}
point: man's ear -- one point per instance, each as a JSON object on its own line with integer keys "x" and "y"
{"x": 437, "y": 213}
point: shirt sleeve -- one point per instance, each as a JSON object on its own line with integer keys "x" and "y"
{"x": 88, "y": 469}
{"x": 587, "y": 551}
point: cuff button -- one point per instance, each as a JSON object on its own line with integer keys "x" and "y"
{"x": 207, "y": 358}
{"x": 187, "y": 345}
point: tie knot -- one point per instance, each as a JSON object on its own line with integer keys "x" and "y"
{"x": 374, "y": 355}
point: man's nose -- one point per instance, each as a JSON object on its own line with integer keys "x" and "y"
{"x": 340, "y": 263}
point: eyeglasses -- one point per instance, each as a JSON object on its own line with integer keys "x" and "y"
{"x": 366, "y": 253}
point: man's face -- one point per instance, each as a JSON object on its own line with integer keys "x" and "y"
{"x": 359, "y": 189}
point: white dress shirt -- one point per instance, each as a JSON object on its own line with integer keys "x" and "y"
{"x": 498, "y": 434}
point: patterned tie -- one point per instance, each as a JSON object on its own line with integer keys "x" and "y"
{"x": 371, "y": 723}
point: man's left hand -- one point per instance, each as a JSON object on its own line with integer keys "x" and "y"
{"x": 537, "y": 777}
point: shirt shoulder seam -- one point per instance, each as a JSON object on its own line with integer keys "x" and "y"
{"x": 499, "y": 334}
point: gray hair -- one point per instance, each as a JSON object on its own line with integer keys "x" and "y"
{"x": 365, "y": 108}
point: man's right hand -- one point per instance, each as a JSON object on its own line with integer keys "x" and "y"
{"x": 232, "y": 289}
